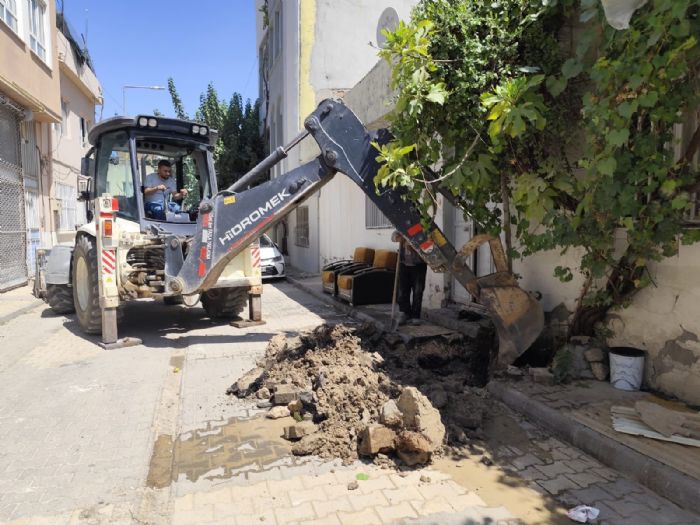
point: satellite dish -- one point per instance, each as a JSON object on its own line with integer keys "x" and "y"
{"x": 389, "y": 19}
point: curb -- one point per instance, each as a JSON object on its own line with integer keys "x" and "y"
{"x": 328, "y": 300}
{"x": 662, "y": 479}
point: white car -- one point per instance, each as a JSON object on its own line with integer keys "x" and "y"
{"x": 271, "y": 259}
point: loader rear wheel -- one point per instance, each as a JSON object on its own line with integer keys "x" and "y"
{"x": 224, "y": 303}
{"x": 60, "y": 298}
{"x": 86, "y": 291}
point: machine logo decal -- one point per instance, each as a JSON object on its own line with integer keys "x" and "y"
{"x": 254, "y": 216}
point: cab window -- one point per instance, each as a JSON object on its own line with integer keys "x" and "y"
{"x": 113, "y": 173}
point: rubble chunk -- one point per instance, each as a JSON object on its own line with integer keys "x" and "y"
{"x": 247, "y": 382}
{"x": 299, "y": 430}
{"x": 421, "y": 416}
{"x": 391, "y": 415}
{"x": 542, "y": 376}
{"x": 295, "y": 406}
{"x": 600, "y": 371}
{"x": 278, "y": 412}
{"x": 285, "y": 394}
{"x": 413, "y": 448}
{"x": 594, "y": 355}
{"x": 375, "y": 439}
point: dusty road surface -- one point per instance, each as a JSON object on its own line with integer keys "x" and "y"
{"x": 147, "y": 435}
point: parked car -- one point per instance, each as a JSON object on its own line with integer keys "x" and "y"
{"x": 271, "y": 259}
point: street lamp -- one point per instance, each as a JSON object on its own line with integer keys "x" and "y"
{"x": 124, "y": 88}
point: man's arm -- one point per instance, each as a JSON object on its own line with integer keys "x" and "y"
{"x": 179, "y": 195}
{"x": 154, "y": 189}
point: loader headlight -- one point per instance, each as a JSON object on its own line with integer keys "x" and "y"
{"x": 203, "y": 130}
{"x": 143, "y": 122}
{"x": 195, "y": 129}
{"x": 152, "y": 123}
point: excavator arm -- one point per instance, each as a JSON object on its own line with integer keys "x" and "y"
{"x": 232, "y": 219}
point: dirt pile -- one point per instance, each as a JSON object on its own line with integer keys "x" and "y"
{"x": 360, "y": 391}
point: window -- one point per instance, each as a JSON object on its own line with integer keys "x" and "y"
{"x": 277, "y": 28}
{"x": 114, "y": 173}
{"x": 374, "y": 219}
{"x": 67, "y": 195}
{"x": 62, "y": 127}
{"x": 36, "y": 10}
{"x": 301, "y": 232}
{"x": 8, "y": 13}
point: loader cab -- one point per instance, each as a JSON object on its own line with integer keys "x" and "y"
{"x": 127, "y": 150}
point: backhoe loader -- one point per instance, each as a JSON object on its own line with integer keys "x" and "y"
{"x": 229, "y": 221}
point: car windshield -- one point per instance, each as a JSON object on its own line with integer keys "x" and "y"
{"x": 188, "y": 170}
{"x": 265, "y": 242}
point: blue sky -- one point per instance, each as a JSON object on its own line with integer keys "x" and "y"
{"x": 143, "y": 42}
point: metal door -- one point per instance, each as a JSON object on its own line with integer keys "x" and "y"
{"x": 31, "y": 174}
{"x": 13, "y": 235}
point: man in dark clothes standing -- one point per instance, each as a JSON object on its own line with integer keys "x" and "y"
{"x": 412, "y": 272}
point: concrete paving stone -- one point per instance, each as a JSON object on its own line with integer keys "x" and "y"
{"x": 411, "y": 478}
{"x": 231, "y": 510}
{"x": 299, "y": 513}
{"x": 365, "y": 501}
{"x": 185, "y": 502}
{"x": 328, "y": 520}
{"x": 396, "y": 512}
{"x": 531, "y": 474}
{"x": 465, "y": 501}
{"x": 525, "y": 461}
{"x": 606, "y": 473}
{"x": 379, "y": 483}
{"x": 584, "y": 479}
{"x": 246, "y": 492}
{"x": 194, "y": 517}
{"x": 336, "y": 490}
{"x": 558, "y": 484}
{"x": 622, "y": 487}
{"x": 394, "y": 496}
{"x": 444, "y": 489}
{"x": 264, "y": 475}
{"x": 549, "y": 444}
{"x": 364, "y": 517}
{"x": 297, "y": 497}
{"x": 211, "y": 497}
{"x": 324, "y": 508}
{"x": 259, "y": 518}
{"x": 431, "y": 506}
{"x": 283, "y": 485}
{"x": 321, "y": 480}
{"x": 627, "y": 507}
{"x": 554, "y": 469}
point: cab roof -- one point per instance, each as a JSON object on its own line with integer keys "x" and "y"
{"x": 182, "y": 129}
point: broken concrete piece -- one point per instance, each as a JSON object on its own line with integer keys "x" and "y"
{"x": 278, "y": 412}
{"x": 375, "y": 439}
{"x": 594, "y": 355}
{"x": 391, "y": 415}
{"x": 242, "y": 387}
{"x": 600, "y": 371}
{"x": 413, "y": 448}
{"x": 353, "y": 485}
{"x": 421, "y": 416}
{"x": 277, "y": 345}
{"x": 308, "y": 444}
{"x": 299, "y": 430}
{"x": 542, "y": 376}
{"x": 285, "y": 394}
{"x": 263, "y": 393}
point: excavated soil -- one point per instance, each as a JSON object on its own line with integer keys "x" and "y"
{"x": 346, "y": 374}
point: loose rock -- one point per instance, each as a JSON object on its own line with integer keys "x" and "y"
{"x": 413, "y": 448}
{"x": 542, "y": 376}
{"x": 353, "y": 485}
{"x": 391, "y": 415}
{"x": 285, "y": 394}
{"x": 375, "y": 439}
{"x": 298, "y": 431}
{"x": 295, "y": 406}
{"x": 278, "y": 412}
{"x": 247, "y": 382}
{"x": 419, "y": 415}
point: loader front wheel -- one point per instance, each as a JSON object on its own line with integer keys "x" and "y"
{"x": 60, "y": 298}
{"x": 86, "y": 291}
{"x": 224, "y": 303}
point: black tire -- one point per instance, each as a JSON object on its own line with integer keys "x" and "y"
{"x": 172, "y": 300}
{"x": 225, "y": 303}
{"x": 60, "y": 298}
{"x": 88, "y": 310}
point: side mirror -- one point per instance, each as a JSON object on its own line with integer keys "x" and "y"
{"x": 87, "y": 166}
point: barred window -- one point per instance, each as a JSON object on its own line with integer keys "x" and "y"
{"x": 68, "y": 197}
{"x": 374, "y": 219}
{"x": 301, "y": 232}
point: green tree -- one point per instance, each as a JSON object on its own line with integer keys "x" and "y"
{"x": 571, "y": 141}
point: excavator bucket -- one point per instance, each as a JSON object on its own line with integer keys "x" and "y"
{"x": 518, "y": 317}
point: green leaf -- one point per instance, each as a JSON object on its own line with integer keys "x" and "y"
{"x": 627, "y": 109}
{"x": 679, "y": 201}
{"x": 618, "y": 137}
{"x": 648, "y": 99}
{"x": 668, "y": 187}
{"x": 571, "y": 68}
{"x": 555, "y": 85}
{"x": 437, "y": 94}
{"x": 607, "y": 166}
{"x": 361, "y": 476}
